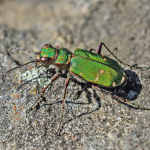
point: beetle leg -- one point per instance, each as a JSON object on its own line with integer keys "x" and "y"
{"x": 63, "y": 104}
{"x": 66, "y": 84}
{"x": 131, "y": 66}
{"x": 35, "y": 104}
{"x": 99, "y": 48}
{"x": 55, "y": 77}
{"x": 120, "y": 99}
{"x": 92, "y": 50}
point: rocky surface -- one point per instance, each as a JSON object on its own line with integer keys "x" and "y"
{"x": 92, "y": 120}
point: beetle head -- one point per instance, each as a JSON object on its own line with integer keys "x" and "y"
{"x": 46, "y": 56}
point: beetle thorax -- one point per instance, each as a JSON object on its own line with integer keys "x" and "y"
{"x": 63, "y": 58}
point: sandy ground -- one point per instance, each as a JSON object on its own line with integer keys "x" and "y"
{"x": 92, "y": 120}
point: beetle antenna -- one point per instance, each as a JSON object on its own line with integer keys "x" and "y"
{"x": 37, "y": 53}
{"x": 28, "y": 82}
{"x": 120, "y": 99}
{"x": 131, "y": 66}
{"x": 15, "y": 68}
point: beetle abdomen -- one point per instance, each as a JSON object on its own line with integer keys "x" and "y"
{"x": 97, "y": 72}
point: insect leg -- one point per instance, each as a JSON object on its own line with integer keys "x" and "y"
{"x": 55, "y": 77}
{"x": 63, "y": 102}
{"x": 120, "y": 99}
{"x": 131, "y": 66}
{"x": 66, "y": 84}
{"x": 92, "y": 50}
{"x": 99, "y": 49}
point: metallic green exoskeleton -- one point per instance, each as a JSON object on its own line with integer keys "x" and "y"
{"x": 84, "y": 64}
{"x": 99, "y": 70}
{"x": 95, "y": 68}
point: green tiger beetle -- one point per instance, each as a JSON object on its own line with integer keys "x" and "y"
{"x": 99, "y": 70}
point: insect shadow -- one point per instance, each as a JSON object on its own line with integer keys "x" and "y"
{"x": 129, "y": 91}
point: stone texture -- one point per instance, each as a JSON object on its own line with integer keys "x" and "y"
{"x": 93, "y": 120}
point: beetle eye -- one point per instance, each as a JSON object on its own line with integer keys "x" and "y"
{"x": 44, "y": 60}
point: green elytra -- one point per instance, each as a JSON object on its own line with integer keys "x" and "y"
{"x": 86, "y": 65}
{"x": 95, "y": 68}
